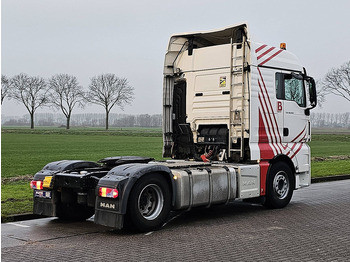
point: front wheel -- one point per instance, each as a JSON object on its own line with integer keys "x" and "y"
{"x": 279, "y": 186}
{"x": 149, "y": 203}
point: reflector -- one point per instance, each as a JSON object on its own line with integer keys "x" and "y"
{"x": 108, "y": 192}
{"x": 36, "y": 184}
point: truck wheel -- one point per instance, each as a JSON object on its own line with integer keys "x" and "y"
{"x": 279, "y": 187}
{"x": 149, "y": 203}
{"x": 73, "y": 212}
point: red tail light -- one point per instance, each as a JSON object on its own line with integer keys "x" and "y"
{"x": 108, "y": 192}
{"x": 36, "y": 184}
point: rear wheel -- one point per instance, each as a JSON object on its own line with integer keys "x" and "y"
{"x": 279, "y": 186}
{"x": 149, "y": 203}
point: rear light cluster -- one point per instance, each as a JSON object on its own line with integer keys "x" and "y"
{"x": 108, "y": 192}
{"x": 36, "y": 184}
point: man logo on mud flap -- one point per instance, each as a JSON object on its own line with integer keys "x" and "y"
{"x": 107, "y": 205}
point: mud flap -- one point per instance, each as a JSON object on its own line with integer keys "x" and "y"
{"x": 107, "y": 213}
{"x": 109, "y": 219}
{"x": 44, "y": 207}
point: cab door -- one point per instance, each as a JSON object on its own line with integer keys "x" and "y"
{"x": 291, "y": 103}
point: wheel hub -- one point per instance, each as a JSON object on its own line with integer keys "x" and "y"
{"x": 281, "y": 185}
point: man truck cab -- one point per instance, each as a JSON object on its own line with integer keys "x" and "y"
{"x": 231, "y": 99}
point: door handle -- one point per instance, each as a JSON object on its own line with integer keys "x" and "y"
{"x": 285, "y": 131}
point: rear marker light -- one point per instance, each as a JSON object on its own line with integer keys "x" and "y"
{"x": 36, "y": 184}
{"x": 108, "y": 192}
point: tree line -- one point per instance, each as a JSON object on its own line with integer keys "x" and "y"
{"x": 86, "y": 119}
{"x": 330, "y": 120}
{"x": 319, "y": 120}
{"x": 63, "y": 91}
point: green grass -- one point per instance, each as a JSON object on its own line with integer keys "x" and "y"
{"x": 330, "y": 168}
{"x": 25, "y": 151}
{"x": 16, "y": 198}
{"x": 324, "y": 145}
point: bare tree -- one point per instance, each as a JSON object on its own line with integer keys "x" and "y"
{"x": 31, "y": 91}
{"x": 109, "y": 90}
{"x": 5, "y": 87}
{"x": 337, "y": 81}
{"x": 65, "y": 93}
{"x": 321, "y": 93}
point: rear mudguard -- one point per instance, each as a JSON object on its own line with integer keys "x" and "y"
{"x": 47, "y": 205}
{"x": 124, "y": 177}
{"x": 63, "y": 166}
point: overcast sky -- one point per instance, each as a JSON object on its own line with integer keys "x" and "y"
{"x": 129, "y": 38}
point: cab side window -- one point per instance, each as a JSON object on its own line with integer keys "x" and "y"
{"x": 290, "y": 88}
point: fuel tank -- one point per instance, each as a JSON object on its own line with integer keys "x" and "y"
{"x": 204, "y": 186}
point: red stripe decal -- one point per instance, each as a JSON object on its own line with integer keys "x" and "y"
{"x": 267, "y": 60}
{"x": 299, "y": 135}
{"x": 264, "y": 167}
{"x": 272, "y": 134}
{"x": 296, "y": 152}
{"x": 273, "y": 113}
{"x": 264, "y": 146}
{"x": 291, "y": 150}
{"x": 266, "y": 52}
{"x": 261, "y": 47}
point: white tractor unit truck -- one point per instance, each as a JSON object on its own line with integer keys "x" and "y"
{"x": 235, "y": 124}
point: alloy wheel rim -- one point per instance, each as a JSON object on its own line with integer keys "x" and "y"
{"x": 281, "y": 185}
{"x": 150, "y": 201}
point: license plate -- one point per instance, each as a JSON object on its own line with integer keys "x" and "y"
{"x": 42, "y": 194}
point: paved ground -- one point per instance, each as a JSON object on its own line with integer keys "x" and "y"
{"x": 314, "y": 227}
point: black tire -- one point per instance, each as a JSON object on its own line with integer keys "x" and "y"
{"x": 279, "y": 186}
{"x": 149, "y": 203}
{"x": 73, "y": 212}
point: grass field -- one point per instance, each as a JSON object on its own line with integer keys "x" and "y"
{"x": 330, "y": 154}
{"x": 323, "y": 145}
{"x": 24, "y": 152}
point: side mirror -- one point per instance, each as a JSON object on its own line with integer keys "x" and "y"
{"x": 297, "y": 76}
{"x": 312, "y": 92}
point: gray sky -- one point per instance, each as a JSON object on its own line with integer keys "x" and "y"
{"x": 129, "y": 38}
